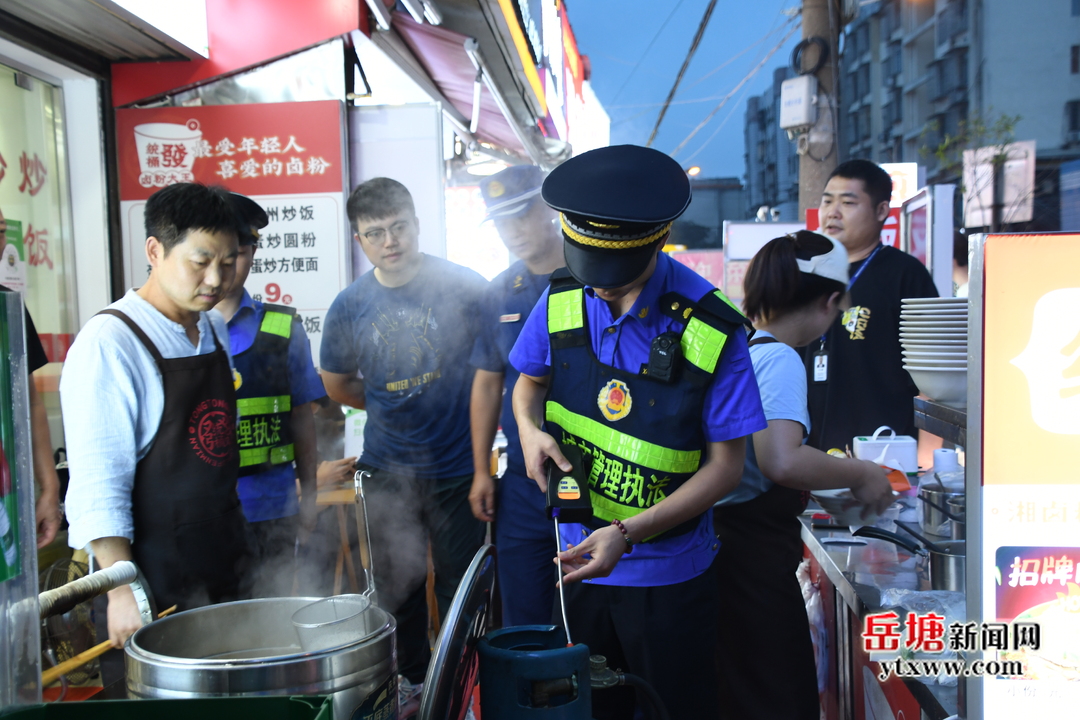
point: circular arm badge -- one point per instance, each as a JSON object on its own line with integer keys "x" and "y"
{"x": 614, "y": 400}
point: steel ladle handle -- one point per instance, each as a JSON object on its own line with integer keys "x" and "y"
{"x": 363, "y": 534}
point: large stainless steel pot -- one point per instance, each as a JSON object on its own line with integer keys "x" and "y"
{"x": 958, "y": 524}
{"x": 947, "y": 558}
{"x": 251, "y": 648}
{"x": 933, "y": 519}
{"x": 948, "y": 563}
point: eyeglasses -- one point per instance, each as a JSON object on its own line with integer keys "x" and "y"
{"x": 377, "y": 236}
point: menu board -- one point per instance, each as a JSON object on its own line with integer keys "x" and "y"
{"x": 1030, "y": 425}
{"x": 288, "y": 157}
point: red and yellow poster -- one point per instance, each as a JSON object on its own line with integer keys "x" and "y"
{"x": 1031, "y": 365}
{"x": 1030, "y": 428}
{"x": 288, "y": 157}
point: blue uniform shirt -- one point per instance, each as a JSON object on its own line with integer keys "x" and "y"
{"x": 271, "y": 494}
{"x": 507, "y": 304}
{"x": 781, "y": 378}
{"x": 732, "y": 406}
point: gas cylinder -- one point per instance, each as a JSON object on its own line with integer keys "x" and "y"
{"x": 528, "y": 672}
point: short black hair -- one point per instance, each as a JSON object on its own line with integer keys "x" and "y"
{"x": 175, "y": 210}
{"x": 378, "y": 198}
{"x": 876, "y": 181}
{"x": 774, "y": 285}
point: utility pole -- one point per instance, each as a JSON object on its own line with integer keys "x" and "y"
{"x": 821, "y": 19}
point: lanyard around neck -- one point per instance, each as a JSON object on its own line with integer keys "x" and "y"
{"x": 851, "y": 283}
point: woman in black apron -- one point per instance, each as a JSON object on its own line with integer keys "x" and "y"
{"x": 795, "y": 286}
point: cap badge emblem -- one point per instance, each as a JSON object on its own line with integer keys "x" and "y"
{"x": 496, "y": 189}
{"x": 614, "y": 400}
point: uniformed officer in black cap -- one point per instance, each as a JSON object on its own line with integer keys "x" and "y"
{"x": 641, "y": 365}
{"x": 524, "y": 536}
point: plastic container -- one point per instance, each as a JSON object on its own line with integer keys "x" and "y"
{"x": 895, "y": 451}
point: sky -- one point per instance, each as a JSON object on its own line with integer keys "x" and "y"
{"x": 636, "y": 48}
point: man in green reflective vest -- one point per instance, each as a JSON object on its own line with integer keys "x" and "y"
{"x": 276, "y": 384}
{"x": 642, "y": 366}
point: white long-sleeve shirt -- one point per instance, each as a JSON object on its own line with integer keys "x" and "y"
{"x": 112, "y": 398}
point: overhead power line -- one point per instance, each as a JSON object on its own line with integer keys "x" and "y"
{"x": 742, "y": 52}
{"x": 647, "y": 49}
{"x": 719, "y": 127}
{"x": 734, "y": 90}
{"x": 682, "y": 71}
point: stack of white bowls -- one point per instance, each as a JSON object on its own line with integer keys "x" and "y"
{"x": 934, "y": 336}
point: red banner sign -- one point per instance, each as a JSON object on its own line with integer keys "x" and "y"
{"x": 264, "y": 149}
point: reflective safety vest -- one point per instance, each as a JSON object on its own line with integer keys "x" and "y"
{"x": 642, "y": 438}
{"x": 264, "y": 394}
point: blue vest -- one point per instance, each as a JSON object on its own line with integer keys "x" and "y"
{"x": 642, "y": 438}
{"x": 264, "y": 394}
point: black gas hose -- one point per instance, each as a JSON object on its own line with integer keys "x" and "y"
{"x": 644, "y": 688}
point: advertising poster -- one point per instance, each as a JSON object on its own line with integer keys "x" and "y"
{"x": 288, "y": 157}
{"x": 1031, "y": 488}
{"x": 709, "y": 264}
{"x": 13, "y": 257}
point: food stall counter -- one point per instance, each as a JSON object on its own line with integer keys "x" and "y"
{"x": 854, "y": 576}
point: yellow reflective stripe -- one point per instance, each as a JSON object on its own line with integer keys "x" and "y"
{"x": 564, "y": 311}
{"x": 631, "y": 449}
{"x": 282, "y": 454}
{"x": 254, "y": 456}
{"x": 263, "y": 405}
{"x": 730, "y": 304}
{"x": 607, "y": 509}
{"x": 276, "y": 323}
{"x": 702, "y": 344}
{"x": 259, "y": 456}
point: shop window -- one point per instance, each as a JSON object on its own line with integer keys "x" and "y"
{"x": 1072, "y": 115}
{"x": 34, "y": 200}
{"x": 37, "y": 258}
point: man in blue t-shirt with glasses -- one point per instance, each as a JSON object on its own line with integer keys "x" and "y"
{"x": 396, "y": 343}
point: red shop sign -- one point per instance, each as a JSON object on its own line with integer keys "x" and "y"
{"x": 263, "y": 149}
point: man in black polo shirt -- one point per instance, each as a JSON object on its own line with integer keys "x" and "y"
{"x": 855, "y": 375}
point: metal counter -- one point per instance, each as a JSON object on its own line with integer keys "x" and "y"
{"x": 859, "y": 573}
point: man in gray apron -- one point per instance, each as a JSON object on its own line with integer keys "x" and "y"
{"x": 149, "y": 418}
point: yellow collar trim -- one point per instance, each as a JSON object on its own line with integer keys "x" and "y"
{"x": 611, "y": 244}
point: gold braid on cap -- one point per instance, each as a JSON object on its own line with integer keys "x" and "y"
{"x": 611, "y": 244}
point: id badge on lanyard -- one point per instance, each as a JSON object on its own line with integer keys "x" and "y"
{"x": 821, "y": 364}
{"x": 821, "y": 357}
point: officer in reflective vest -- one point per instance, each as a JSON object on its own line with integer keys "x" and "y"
{"x": 641, "y": 365}
{"x": 276, "y": 383}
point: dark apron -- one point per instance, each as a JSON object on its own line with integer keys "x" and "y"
{"x": 761, "y": 606}
{"x": 191, "y": 538}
